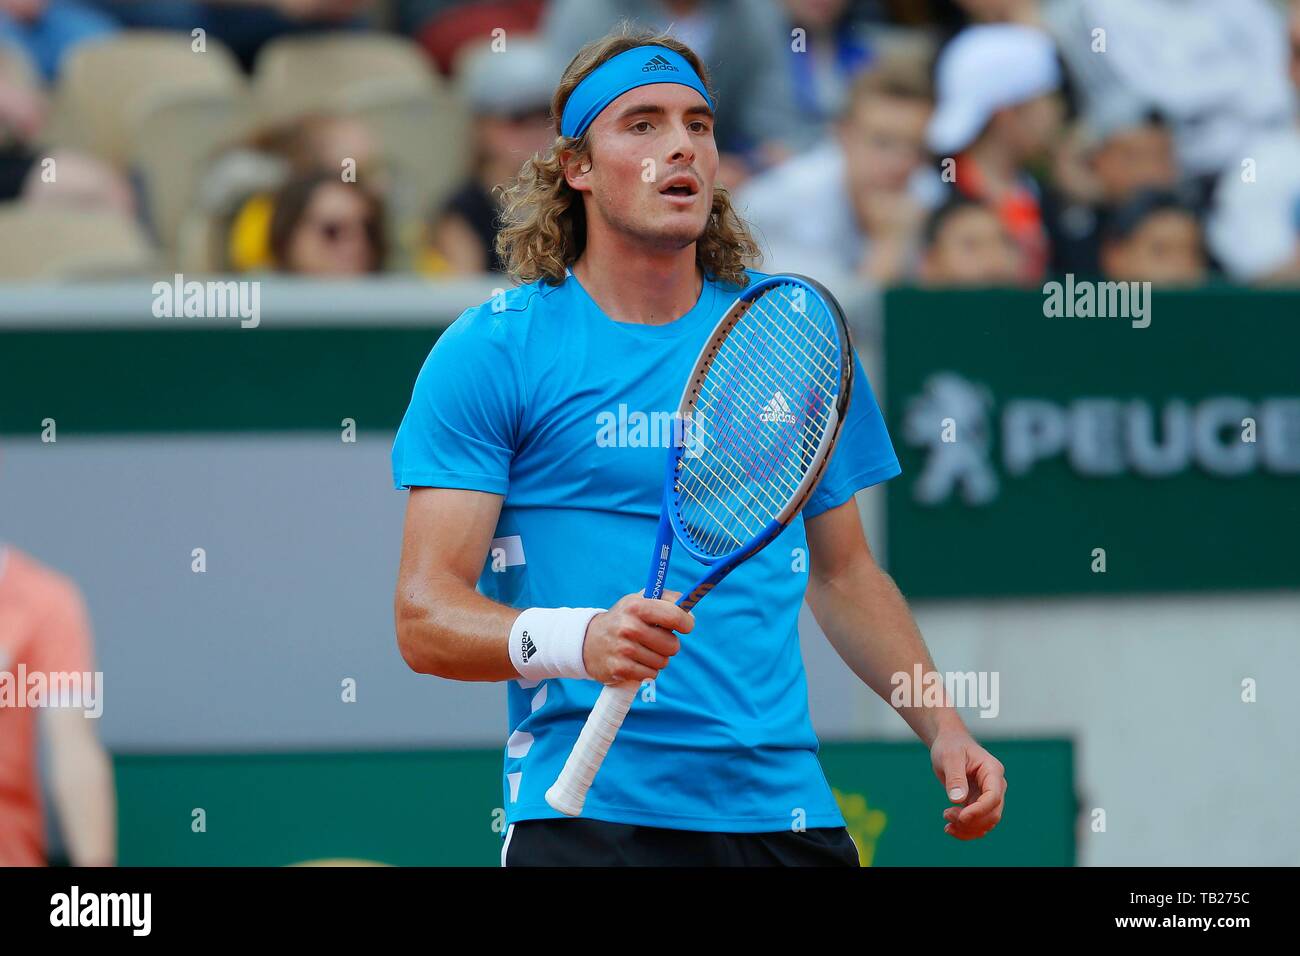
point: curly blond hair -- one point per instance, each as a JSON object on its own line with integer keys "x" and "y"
{"x": 544, "y": 223}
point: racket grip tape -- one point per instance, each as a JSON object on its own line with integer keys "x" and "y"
{"x": 569, "y": 792}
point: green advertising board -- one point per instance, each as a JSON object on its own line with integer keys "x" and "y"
{"x": 442, "y": 807}
{"x": 1062, "y": 455}
{"x": 131, "y": 380}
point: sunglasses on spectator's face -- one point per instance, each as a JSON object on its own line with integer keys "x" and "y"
{"x": 336, "y": 230}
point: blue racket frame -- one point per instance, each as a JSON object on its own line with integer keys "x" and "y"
{"x": 670, "y": 530}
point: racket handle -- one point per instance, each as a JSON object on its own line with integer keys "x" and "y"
{"x": 569, "y": 791}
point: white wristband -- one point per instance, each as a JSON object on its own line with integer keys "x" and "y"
{"x": 547, "y": 641}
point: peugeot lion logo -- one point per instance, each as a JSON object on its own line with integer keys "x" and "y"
{"x": 952, "y": 465}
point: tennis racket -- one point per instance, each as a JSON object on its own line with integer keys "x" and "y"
{"x": 757, "y": 423}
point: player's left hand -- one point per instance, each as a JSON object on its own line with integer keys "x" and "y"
{"x": 974, "y": 780}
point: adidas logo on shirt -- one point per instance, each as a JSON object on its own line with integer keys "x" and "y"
{"x": 529, "y": 647}
{"x": 777, "y": 410}
{"x": 656, "y": 63}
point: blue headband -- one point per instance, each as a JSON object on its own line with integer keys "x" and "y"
{"x": 640, "y": 66}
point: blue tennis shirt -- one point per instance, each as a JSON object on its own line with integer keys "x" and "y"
{"x": 539, "y": 397}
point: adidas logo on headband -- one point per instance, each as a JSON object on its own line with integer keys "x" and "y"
{"x": 656, "y": 63}
{"x": 621, "y": 73}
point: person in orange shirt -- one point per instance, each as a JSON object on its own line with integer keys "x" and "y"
{"x": 999, "y": 110}
{"x": 44, "y": 631}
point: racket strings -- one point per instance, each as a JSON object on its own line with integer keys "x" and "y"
{"x": 717, "y": 480}
{"x": 817, "y": 362}
{"x": 825, "y": 379}
{"x": 774, "y": 495}
{"x": 780, "y": 492}
{"x": 818, "y": 427}
{"x": 821, "y": 357}
{"x": 815, "y": 425}
{"x": 724, "y": 528}
{"x": 765, "y": 404}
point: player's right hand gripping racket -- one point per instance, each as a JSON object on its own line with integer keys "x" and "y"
{"x": 756, "y": 425}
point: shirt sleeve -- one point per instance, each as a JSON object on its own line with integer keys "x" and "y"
{"x": 864, "y": 455}
{"x": 61, "y": 642}
{"x": 461, "y": 427}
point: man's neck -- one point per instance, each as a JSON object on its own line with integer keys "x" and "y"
{"x": 631, "y": 284}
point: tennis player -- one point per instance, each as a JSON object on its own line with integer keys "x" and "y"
{"x": 534, "y": 448}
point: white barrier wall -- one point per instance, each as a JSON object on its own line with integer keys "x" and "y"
{"x": 1151, "y": 691}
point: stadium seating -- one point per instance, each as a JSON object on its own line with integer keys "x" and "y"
{"x": 44, "y": 243}
{"x": 174, "y": 137}
{"x": 151, "y": 105}
{"x": 305, "y": 74}
{"x": 107, "y": 87}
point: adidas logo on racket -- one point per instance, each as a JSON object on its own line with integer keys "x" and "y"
{"x": 777, "y": 410}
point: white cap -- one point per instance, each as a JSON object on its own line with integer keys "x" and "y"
{"x": 518, "y": 79}
{"x": 985, "y": 69}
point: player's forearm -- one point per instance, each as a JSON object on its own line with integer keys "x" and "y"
{"x": 82, "y": 788}
{"x": 869, "y": 624}
{"x": 447, "y": 629}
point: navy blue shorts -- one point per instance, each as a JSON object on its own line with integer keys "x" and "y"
{"x": 597, "y": 843}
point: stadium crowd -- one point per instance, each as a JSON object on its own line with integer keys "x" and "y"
{"x": 939, "y": 142}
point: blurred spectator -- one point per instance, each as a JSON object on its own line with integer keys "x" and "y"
{"x": 830, "y": 53}
{"x": 1254, "y": 223}
{"x": 854, "y": 204}
{"x": 80, "y": 181}
{"x": 237, "y": 192}
{"x": 997, "y": 112}
{"x": 1215, "y": 70}
{"x": 321, "y": 226}
{"x": 152, "y": 14}
{"x": 1128, "y": 150}
{"x": 243, "y": 20}
{"x": 509, "y": 95}
{"x": 24, "y": 105}
{"x": 1154, "y": 237}
{"x": 967, "y": 245}
{"x": 445, "y": 28}
{"x": 244, "y": 26}
{"x": 62, "y": 177}
{"x": 743, "y": 43}
{"x": 1293, "y": 33}
{"x": 1024, "y": 12}
{"x": 48, "y": 30}
{"x": 44, "y": 630}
